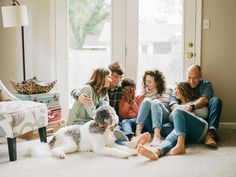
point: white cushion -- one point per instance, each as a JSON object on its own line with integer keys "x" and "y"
{"x": 19, "y": 117}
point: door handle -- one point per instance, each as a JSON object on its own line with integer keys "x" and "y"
{"x": 189, "y": 54}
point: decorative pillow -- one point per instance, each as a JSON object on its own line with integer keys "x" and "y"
{"x": 4, "y": 96}
{"x": 32, "y": 86}
{"x": 202, "y": 112}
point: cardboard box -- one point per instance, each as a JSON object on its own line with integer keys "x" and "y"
{"x": 54, "y": 113}
{"x": 51, "y": 129}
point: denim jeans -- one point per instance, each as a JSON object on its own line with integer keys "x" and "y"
{"x": 186, "y": 124}
{"x": 103, "y": 103}
{"x": 215, "y": 107}
{"x": 128, "y": 127}
{"x": 153, "y": 114}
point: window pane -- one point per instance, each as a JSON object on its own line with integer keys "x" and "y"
{"x": 160, "y": 31}
{"x": 89, "y": 39}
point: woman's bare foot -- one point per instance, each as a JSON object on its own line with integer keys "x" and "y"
{"x": 177, "y": 150}
{"x": 144, "y": 138}
{"x": 148, "y": 153}
{"x": 141, "y": 139}
{"x": 156, "y": 141}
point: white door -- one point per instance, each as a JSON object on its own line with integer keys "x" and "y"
{"x": 163, "y": 34}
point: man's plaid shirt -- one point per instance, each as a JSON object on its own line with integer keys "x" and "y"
{"x": 115, "y": 95}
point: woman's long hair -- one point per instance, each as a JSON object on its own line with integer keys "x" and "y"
{"x": 98, "y": 79}
{"x": 188, "y": 93}
{"x": 159, "y": 80}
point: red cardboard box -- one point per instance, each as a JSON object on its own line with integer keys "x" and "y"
{"x": 54, "y": 113}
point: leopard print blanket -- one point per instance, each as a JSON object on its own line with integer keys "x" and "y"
{"x": 32, "y": 86}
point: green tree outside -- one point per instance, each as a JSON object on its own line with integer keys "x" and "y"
{"x": 86, "y": 17}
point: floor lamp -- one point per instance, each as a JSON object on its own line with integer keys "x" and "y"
{"x": 15, "y": 16}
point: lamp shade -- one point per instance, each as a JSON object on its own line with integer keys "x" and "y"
{"x": 13, "y": 16}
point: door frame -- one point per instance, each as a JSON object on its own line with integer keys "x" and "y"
{"x": 196, "y": 21}
{"x": 198, "y": 32}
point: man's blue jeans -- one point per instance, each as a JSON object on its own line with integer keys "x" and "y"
{"x": 153, "y": 114}
{"x": 215, "y": 107}
{"x": 186, "y": 124}
{"x": 128, "y": 127}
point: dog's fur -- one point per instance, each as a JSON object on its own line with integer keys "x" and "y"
{"x": 96, "y": 136}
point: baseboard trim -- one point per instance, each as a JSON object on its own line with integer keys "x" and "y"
{"x": 227, "y": 125}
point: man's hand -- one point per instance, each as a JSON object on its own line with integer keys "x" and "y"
{"x": 84, "y": 99}
{"x": 185, "y": 107}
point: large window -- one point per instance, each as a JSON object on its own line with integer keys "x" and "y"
{"x": 160, "y": 28}
{"x": 89, "y": 39}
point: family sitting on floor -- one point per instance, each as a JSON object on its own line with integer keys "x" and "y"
{"x": 189, "y": 114}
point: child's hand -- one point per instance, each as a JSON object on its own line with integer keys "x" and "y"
{"x": 132, "y": 93}
{"x": 128, "y": 93}
{"x": 125, "y": 93}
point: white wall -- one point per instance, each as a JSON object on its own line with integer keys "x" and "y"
{"x": 10, "y": 52}
{"x": 38, "y": 40}
{"x": 37, "y": 45}
{"x": 218, "y": 52}
{"x": 44, "y": 44}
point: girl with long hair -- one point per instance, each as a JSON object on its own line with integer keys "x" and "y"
{"x": 96, "y": 90}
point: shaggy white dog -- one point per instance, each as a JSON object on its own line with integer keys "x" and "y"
{"x": 96, "y": 136}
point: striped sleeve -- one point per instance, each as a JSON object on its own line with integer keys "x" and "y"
{"x": 165, "y": 97}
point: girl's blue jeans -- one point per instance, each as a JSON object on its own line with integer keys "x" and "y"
{"x": 186, "y": 124}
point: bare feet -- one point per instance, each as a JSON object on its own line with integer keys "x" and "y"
{"x": 144, "y": 138}
{"x": 156, "y": 141}
{"x": 148, "y": 153}
{"x": 141, "y": 139}
{"x": 178, "y": 149}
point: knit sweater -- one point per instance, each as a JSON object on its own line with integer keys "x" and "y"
{"x": 164, "y": 97}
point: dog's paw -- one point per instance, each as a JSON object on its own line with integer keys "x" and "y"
{"x": 124, "y": 155}
{"x": 133, "y": 152}
{"x": 62, "y": 156}
{"x": 58, "y": 153}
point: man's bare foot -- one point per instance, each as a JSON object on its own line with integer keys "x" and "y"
{"x": 156, "y": 141}
{"x": 141, "y": 139}
{"x": 148, "y": 153}
{"x": 177, "y": 150}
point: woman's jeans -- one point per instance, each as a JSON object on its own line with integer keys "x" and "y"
{"x": 103, "y": 103}
{"x": 186, "y": 124}
{"x": 153, "y": 114}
